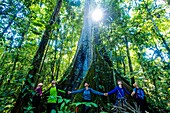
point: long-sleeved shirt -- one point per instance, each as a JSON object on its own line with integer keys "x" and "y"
{"x": 119, "y": 91}
{"x": 140, "y": 94}
{"x": 87, "y": 93}
{"x": 38, "y": 91}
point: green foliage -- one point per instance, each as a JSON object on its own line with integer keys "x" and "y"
{"x": 145, "y": 23}
{"x": 90, "y": 104}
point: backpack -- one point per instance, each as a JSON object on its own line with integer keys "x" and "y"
{"x": 141, "y": 94}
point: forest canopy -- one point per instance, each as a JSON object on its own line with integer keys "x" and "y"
{"x": 45, "y": 40}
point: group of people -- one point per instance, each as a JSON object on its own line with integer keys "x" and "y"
{"x": 120, "y": 91}
{"x": 51, "y": 100}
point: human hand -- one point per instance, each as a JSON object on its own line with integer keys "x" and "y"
{"x": 69, "y": 92}
{"x": 105, "y": 94}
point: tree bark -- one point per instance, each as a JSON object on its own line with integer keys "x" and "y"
{"x": 84, "y": 54}
{"x": 24, "y": 95}
{"x": 129, "y": 59}
{"x": 59, "y": 61}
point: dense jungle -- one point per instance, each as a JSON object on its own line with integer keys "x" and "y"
{"x": 72, "y": 44}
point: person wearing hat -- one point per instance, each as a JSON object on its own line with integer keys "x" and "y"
{"x": 37, "y": 98}
{"x": 52, "y": 98}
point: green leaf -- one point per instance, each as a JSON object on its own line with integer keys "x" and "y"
{"x": 62, "y": 106}
{"x": 37, "y": 24}
{"x": 67, "y": 100}
{"x": 60, "y": 100}
{"x": 77, "y": 104}
{"x": 53, "y": 111}
{"x": 94, "y": 104}
{"x": 30, "y": 76}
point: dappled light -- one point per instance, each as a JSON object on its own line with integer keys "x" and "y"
{"x": 84, "y": 56}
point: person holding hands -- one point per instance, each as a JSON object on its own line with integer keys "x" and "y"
{"x": 120, "y": 92}
{"x": 86, "y": 95}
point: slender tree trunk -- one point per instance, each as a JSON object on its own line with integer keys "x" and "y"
{"x": 59, "y": 61}
{"x": 24, "y": 96}
{"x": 10, "y": 23}
{"x": 15, "y": 62}
{"x": 3, "y": 56}
{"x": 45, "y": 54}
{"x": 124, "y": 68}
{"x": 53, "y": 65}
{"x": 129, "y": 59}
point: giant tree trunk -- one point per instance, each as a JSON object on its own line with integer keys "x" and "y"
{"x": 91, "y": 64}
{"x": 88, "y": 60}
{"x": 84, "y": 54}
{"x": 24, "y": 95}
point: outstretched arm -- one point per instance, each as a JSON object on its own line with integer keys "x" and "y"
{"x": 77, "y": 91}
{"x": 96, "y": 92}
{"x": 112, "y": 91}
{"x": 126, "y": 91}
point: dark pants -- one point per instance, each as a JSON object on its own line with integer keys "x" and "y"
{"x": 120, "y": 102}
{"x": 85, "y": 109}
{"x": 141, "y": 104}
{"x": 51, "y": 106}
{"x": 36, "y": 104}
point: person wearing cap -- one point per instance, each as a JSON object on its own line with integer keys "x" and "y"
{"x": 52, "y": 98}
{"x": 120, "y": 92}
{"x": 37, "y": 98}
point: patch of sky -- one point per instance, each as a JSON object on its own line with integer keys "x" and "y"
{"x": 153, "y": 53}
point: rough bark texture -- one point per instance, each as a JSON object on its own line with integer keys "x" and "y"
{"x": 91, "y": 64}
{"x": 24, "y": 95}
{"x": 83, "y": 61}
{"x": 84, "y": 53}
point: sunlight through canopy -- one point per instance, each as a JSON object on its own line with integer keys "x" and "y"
{"x": 97, "y": 14}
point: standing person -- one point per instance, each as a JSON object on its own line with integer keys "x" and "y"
{"x": 86, "y": 95}
{"x": 37, "y": 98}
{"x": 120, "y": 91}
{"x": 139, "y": 95}
{"x": 52, "y": 98}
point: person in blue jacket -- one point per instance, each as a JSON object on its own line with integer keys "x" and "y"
{"x": 86, "y": 95}
{"x": 120, "y": 92}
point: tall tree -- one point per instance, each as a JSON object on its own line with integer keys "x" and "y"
{"x": 89, "y": 62}
{"x": 84, "y": 54}
{"x": 129, "y": 59}
{"x": 23, "y": 97}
